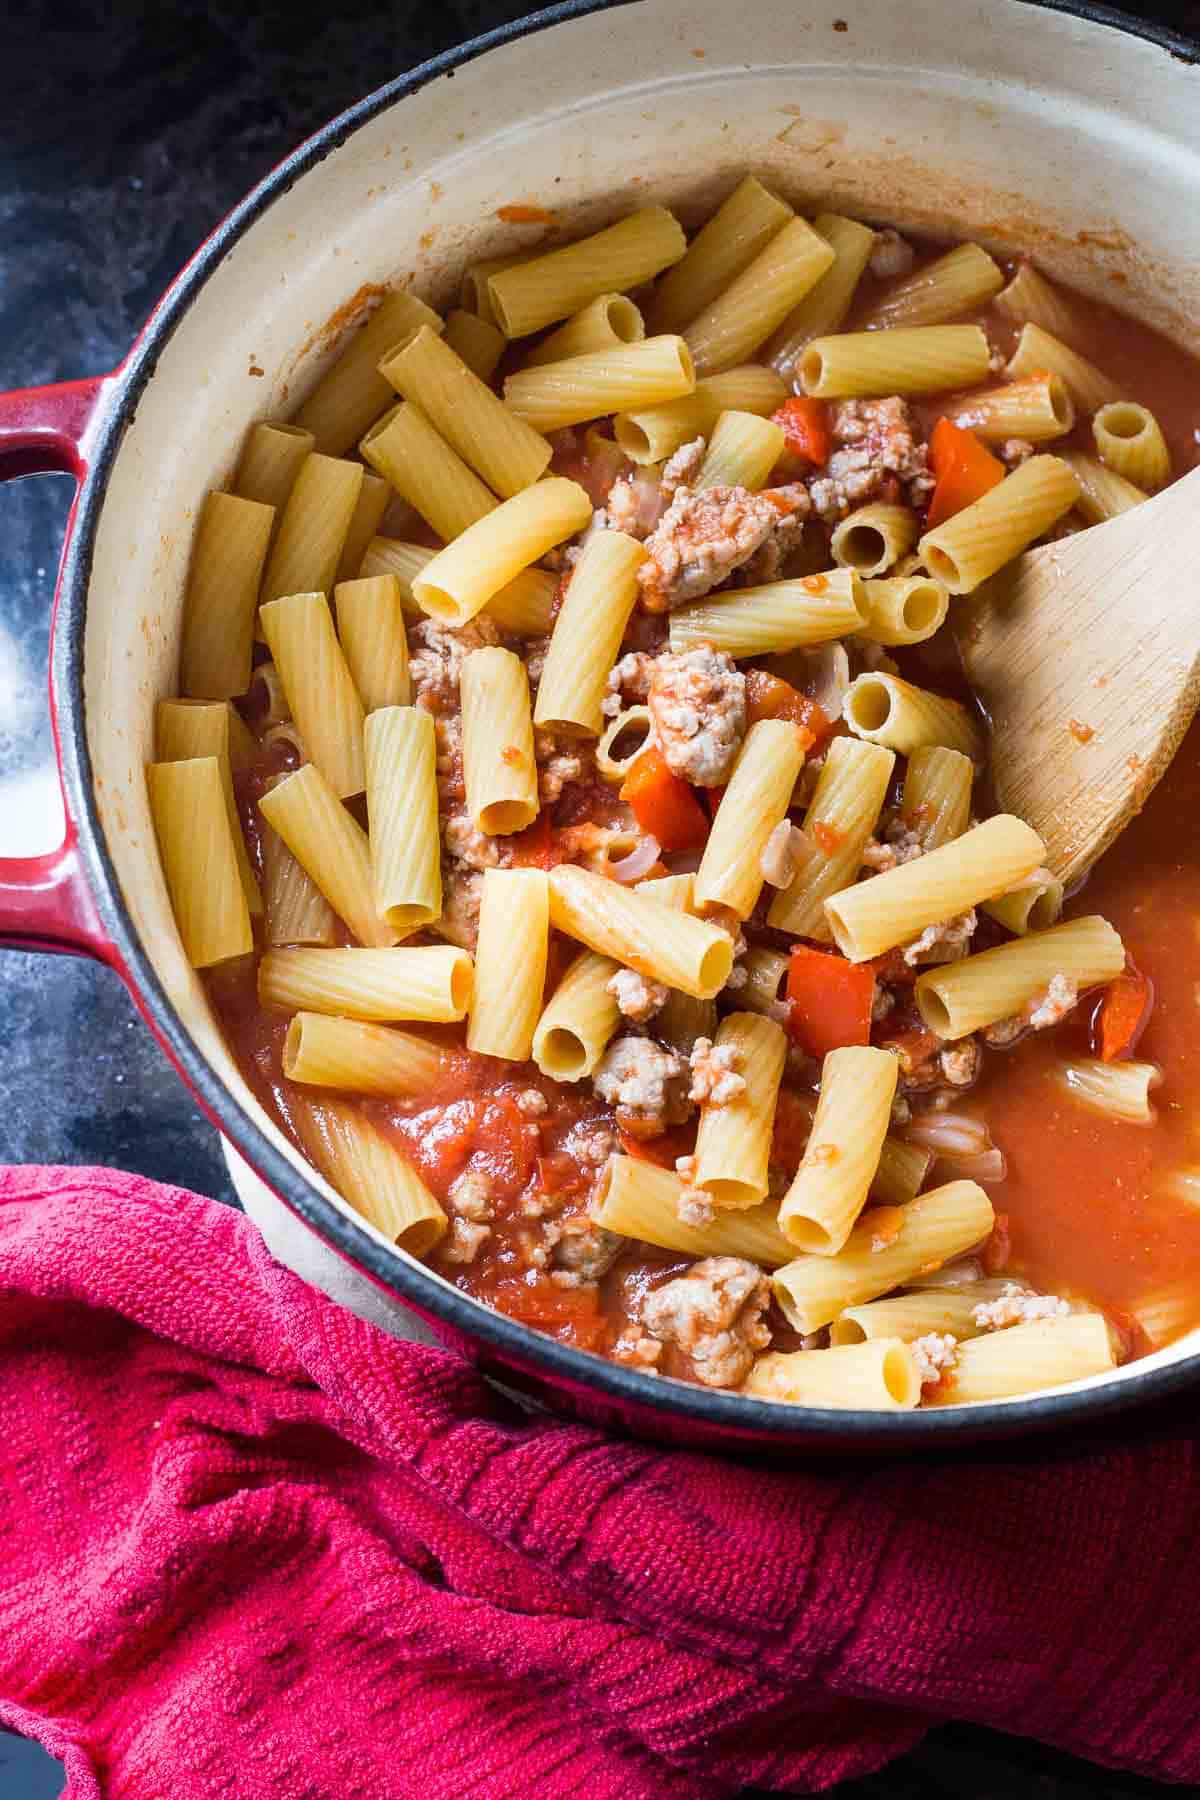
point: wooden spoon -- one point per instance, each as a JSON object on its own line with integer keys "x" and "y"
{"x": 1085, "y": 653}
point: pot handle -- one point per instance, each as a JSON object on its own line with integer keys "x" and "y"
{"x": 45, "y": 901}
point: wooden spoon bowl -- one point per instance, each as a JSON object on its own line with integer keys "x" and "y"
{"x": 1085, "y": 654}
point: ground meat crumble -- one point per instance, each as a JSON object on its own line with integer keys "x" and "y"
{"x": 697, "y": 702}
{"x": 878, "y": 457}
{"x": 637, "y": 997}
{"x": 1048, "y": 1008}
{"x": 1016, "y": 1307}
{"x": 645, "y": 1083}
{"x": 694, "y": 1207}
{"x": 715, "y": 1078}
{"x": 581, "y": 1251}
{"x": 702, "y": 537}
{"x": 943, "y": 943}
{"x": 436, "y": 659}
{"x": 714, "y": 1314}
{"x": 470, "y": 1206}
{"x": 936, "y": 1354}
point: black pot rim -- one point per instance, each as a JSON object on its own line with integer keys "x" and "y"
{"x": 795, "y": 1427}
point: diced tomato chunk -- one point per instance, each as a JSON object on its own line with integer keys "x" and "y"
{"x": 665, "y": 807}
{"x": 770, "y": 697}
{"x": 805, "y": 426}
{"x": 965, "y": 468}
{"x": 829, "y": 1000}
{"x": 1123, "y": 1014}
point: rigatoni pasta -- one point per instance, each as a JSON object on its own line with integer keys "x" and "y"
{"x": 650, "y": 372}
{"x": 190, "y": 728}
{"x": 463, "y": 577}
{"x": 312, "y": 528}
{"x": 858, "y": 1085}
{"x": 742, "y": 226}
{"x": 998, "y": 984}
{"x": 499, "y": 446}
{"x": 510, "y": 963}
{"x": 272, "y": 455}
{"x": 191, "y": 823}
{"x": 479, "y": 343}
{"x": 881, "y": 1375}
{"x": 1129, "y": 441}
{"x": 330, "y": 846}
{"x": 639, "y": 1200}
{"x": 578, "y": 1020}
{"x": 402, "y": 806}
{"x": 919, "y": 359}
{"x": 1037, "y": 409}
{"x": 374, "y": 498}
{"x": 903, "y": 609}
{"x": 883, "y": 709}
{"x": 529, "y": 295}
{"x": 587, "y": 634}
{"x": 498, "y": 762}
{"x": 981, "y": 538}
{"x": 409, "y": 453}
{"x": 733, "y": 1142}
{"x": 434, "y": 984}
{"x": 897, "y": 906}
{"x": 1001, "y": 1365}
{"x": 936, "y": 802}
{"x": 1040, "y": 352}
{"x": 742, "y": 451}
{"x": 755, "y": 304}
{"x": 824, "y": 306}
{"x": 1118, "y": 1090}
{"x": 323, "y": 1051}
{"x": 295, "y": 909}
{"x": 841, "y": 816}
{"x": 606, "y": 322}
{"x": 884, "y": 1253}
{"x": 653, "y": 433}
{"x": 753, "y": 804}
{"x": 353, "y": 392}
{"x": 222, "y": 594}
{"x": 873, "y": 538}
{"x": 370, "y": 628}
{"x": 369, "y": 1172}
{"x": 780, "y": 615}
{"x": 644, "y": 934}
{"x": 320, "y": 690}
{"x": 961, "y": 281}
{"x": 1103, "y": 494}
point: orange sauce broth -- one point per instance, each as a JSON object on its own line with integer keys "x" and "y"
{"x": 1088, "y": 1198}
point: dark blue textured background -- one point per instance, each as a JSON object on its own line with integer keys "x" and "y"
{"x": 126, "y": 131}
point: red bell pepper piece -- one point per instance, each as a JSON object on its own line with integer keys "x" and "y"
{"x": 829, "y": 1000}
{"x": 1123, "y": 1014}
{"x": 665, "y": 807}
{"x": 805, "y": 426}
{"x": 770, "y": 697}
{"x": 965, "y": 470}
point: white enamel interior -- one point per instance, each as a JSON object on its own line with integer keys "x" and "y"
{"x": 999, "y": 119}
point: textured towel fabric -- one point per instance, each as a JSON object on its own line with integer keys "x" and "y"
{"x": 251, "y": 1547}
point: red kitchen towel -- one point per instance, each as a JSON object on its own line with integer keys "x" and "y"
{"x": 252, "y": 1547}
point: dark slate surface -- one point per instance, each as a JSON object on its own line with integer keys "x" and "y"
{"x": 126, "y": 133}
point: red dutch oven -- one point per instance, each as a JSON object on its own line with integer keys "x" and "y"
{"x": 1069, "y": 130}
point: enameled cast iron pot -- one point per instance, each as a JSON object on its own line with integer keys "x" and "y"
{"x": 1068, "y": 130}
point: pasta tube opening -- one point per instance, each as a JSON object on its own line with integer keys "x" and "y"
{"x": 869, "y": 704}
